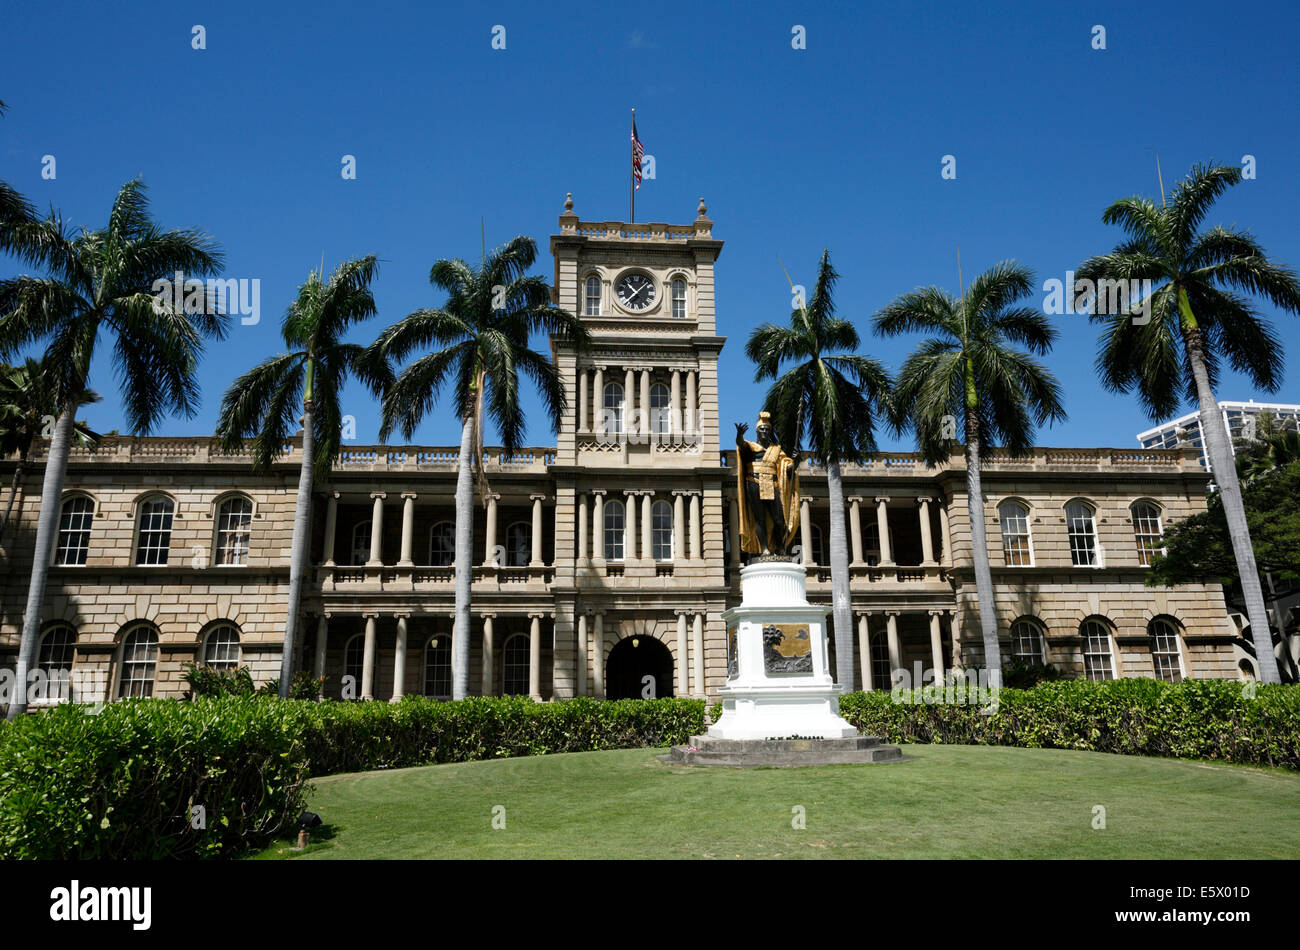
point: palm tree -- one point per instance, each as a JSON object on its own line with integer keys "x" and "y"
{"x": 303, "y": 386}
{"x": 970, "y": 370}
{"x": 479, "y": 340}
{"x": 1195, "y": 274}
{"x": 27, "y": 411}
{"x": 833, "y": 398}
{"x": 101, "y": 283}
{"x": 1276, "y": 443}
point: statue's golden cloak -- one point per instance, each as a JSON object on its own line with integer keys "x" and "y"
{"x": 785, "y": 485}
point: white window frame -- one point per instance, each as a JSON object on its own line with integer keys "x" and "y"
{"x": 364, "y": 551}
{"x": 1109, "y": 656}
{"x": 1140, "y": 537}
{"x": 443, "y": 649}
{"x": 223, "y": 535}
{"x": 67, "y": 657}
{"x": 661, "y": 415}
{"x": 1175, "y": 632}
{"x": 510, "y": 665}
{"x": 661, "y": 538}
{"x": 146, "y": 684}
{"x": 614, "y": 421}
{"x": 451, "y": 553}
{"x": 61, "y": 547}
{"x": 226, "y": 663}
{"x": 586, "y": 295}
{"x": 1022, "y": 512}
{"x": 140, "y": 531}
{"x": 675, "y": 300}
{"x": 1071, "y": 533}
{"x": 615, "y": 534}
{"x": 1018, "y": 635}
{"x": 360, "y": 670}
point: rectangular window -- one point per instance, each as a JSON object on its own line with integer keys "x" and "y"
{"x": 614, "y": 530}
{"x": 234, "y": 528}
{"x": 1097, "y": 661}
{"x": 74, "y": 531}
{"x": 155, "y": 532}
{"x": 1083, "y": 538}
{"x": 1015, "y": 535}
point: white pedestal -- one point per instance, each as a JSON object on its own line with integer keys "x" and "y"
{"x": 778, "y": 674}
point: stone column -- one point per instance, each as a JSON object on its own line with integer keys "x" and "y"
{"x": 695, "y": 526}
{"x": 377, "y": 530}
{"x": 331, "y": 521}
{"x": 489, "y": 656}
{"x": 936, "y": 645}
{"x": 882, "y": 528}
{"x": 408, "y": 529}
{"x": 734, "y": 529}
{"x": 584, "y": 536}
{"x": 598, "y": 664}
{"x": 864, "y": 652}
{"x": 368, "y": 659}
{"x": 683, "y": 657}
{"x": 805, "y": 529}
{"x": 945, "y": 535}
{"x": 580, "y": 667}
{"x": 535, "y": 657}
{"x": 855, "y": 527}
{"x": 399, "y": 661}
{"x": 675, "y": 403}
{"x": 598, "y": 399}
{"x": 629, "y": 526}
{"x": 490, "y": 536}
{"x": 537, "y": 530}
{"x": 679, "y": 526}
{"x": 895, "y": 651}
{"x": 689, "y": 424}
{"x": 598, "y": 524}
{"x": 697, "y": 654}
{"x": 647, "y": 526}
{"x": 322, "y": 643}
{"x": 583, "y": 395}
{"x": 629, "y": 402}
{"x": 927, "y": 542}
{"x": 644, "y": 402}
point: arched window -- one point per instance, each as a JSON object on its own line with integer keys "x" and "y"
{"x": 75, "y": 519}
{"x": 815, "y": 556}
{"x": 660, "y": 409}
{"x": 354, "y": 665}
{"x": 661, "y": 533}
{"x": 221, "y": 647}
{"x": 1080, "y": 519}
{"x": 154, "y": 540}
{"x": 1165, "y": 654}
{"x": 515, "y": 666}
{"x": 437, "y": 666}
{"x": 614, "y": 530}
{"x": 1027, "y": 641}
{"x": 54, "y": 658}
{"x": 139, "y": 662}
{"x": 1098, "y": 660}
{"x": 519, "y": 544}
{"x": 1146, "y": 531}
{"x": 614, "y": 404}
{"x": 880, "y": 668}
{"x": 361, "y": 543}
{"x": 679, "y": 297}
{"x": 1016, "y": 548}
{"x": 234, "y": 527}
{"x": 442, "y": 544}
{"x": 591, "y": 301}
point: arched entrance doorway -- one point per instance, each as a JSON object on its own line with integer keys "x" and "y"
{"x": 631, "y": 661}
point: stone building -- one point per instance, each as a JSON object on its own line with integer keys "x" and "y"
{"x": 608, "y": 558}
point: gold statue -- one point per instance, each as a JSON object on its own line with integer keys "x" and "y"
{"x": 767, "y": 491}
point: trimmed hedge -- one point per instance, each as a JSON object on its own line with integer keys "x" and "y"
{"x": 1195, "y": 719}
{"x": 121, "y": 783}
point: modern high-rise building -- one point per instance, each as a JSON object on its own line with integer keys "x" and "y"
{"x": 1238, "y": 420}
{"x": 602, "y": 565}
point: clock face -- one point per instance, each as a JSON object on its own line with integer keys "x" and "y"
{"x": 635, "y": 291}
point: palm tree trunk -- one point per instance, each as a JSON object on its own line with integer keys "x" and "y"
{"x": 464, "y": 561}
{"x": 14, "y": 486}
{"x": 298, "y": 552}
{"x": 841, "y": 611}
{"x": 56, "y": 467}
{"x": 1225, "y": 475}
{"x": 980, "y": 552}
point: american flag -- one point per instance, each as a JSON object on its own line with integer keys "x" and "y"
{"x": 637, "y": 152}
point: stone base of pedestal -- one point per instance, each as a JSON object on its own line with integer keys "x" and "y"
{"x": 782, "y": 753}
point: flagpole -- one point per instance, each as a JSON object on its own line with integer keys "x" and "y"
{"x": 631, "y": 178}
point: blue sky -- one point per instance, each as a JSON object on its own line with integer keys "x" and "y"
{"x": 838, "y": 145}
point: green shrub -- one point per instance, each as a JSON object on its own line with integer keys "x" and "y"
{"x": 123, "y": 783}
{"x": 1199, "y": 719}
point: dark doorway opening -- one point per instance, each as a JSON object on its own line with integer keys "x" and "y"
{"x": 631, "y": 661}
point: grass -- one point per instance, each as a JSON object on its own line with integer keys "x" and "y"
{"x": 946, "y": 802}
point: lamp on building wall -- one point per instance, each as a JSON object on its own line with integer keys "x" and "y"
{"x": 636, "y": 642}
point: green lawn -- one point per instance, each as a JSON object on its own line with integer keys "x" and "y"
{"x": 947, "y": 802}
